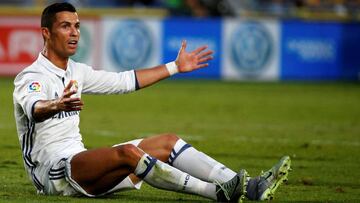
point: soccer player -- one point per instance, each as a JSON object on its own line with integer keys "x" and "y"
{"x": 47, "y": 101}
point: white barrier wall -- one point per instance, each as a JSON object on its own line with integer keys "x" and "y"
{"x": 250, "y": 50}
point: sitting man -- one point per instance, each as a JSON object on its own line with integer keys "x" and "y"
{"x": 47, "y": 100}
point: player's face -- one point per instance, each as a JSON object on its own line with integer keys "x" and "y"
{"x": 65, "y": 34}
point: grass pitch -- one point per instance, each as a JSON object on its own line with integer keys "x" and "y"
{"x": 243, "y": 125}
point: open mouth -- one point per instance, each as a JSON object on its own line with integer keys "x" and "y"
{"x": 73, "y": 43}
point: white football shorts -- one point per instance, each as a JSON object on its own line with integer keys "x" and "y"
{"x": 59, "y": 181}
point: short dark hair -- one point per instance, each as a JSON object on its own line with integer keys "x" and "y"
{"x": 48, "y": 15}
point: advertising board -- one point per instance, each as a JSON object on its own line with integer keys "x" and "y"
{"x": 196, "y": 32}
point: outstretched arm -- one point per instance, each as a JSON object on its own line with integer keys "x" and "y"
{"x": 185, "y": 62}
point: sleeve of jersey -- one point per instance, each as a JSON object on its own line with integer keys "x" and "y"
{"x": 103, "y": 82}
{"x": 27, "y": 92}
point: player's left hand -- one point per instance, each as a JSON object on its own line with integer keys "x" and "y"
{"x": 189, "y": 61}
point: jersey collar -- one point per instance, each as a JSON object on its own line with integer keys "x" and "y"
{"x": 51, "y": 67}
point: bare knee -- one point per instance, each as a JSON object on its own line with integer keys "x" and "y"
{"x": 159, "y": 146}
{"x": 169, "y": 140}
{"x": 129, "y": 153}
{"x": 171, "y": 137}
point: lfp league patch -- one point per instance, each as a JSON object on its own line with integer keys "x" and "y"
{"x": 34, "y": 87}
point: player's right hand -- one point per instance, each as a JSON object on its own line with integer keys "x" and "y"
{"x": 68, "y": 103}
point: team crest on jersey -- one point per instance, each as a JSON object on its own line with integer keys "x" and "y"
{"x": 34, "y": 87}
{"x": 75, "y": 84}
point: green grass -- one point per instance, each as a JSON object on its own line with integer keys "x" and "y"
{"x": 243, "y": 125}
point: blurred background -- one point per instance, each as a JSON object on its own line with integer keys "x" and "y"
{"x": 267, "y": 40}
{"x": 339, "y": 9}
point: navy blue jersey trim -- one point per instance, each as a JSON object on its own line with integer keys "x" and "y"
{"x": 33, "y": 109}
{"x": 36, "y": 181}
{"x": 137, "y": 87}
{"x": 56, "y": 170}
{"x": 54, "y": 173}
{"x": 57, "y": 177}
{"x": 27, "y": 145}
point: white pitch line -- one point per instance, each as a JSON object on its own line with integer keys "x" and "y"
{"x": 106, "y": 133}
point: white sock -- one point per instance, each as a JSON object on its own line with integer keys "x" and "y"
{"x": 161, "y": 175}
{"x": 188, "y": 159}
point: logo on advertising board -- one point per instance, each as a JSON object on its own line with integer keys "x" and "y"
{"x": 316, "y": 50}
{"x": 250, "y": 50}
{"x": 251, "y": 47}
{"x": 20, "y": 43}
{"x": 313, "y": 50}
{"x": 131, "y": 44}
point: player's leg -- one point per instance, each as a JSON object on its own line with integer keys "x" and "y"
{"x": 175, "y": 151}
{"x": 198, "y": 164}
{"x": 164, "y": 176}
{"x": 97, "y": 171}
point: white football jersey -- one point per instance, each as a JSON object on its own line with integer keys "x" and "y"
{"x": 58, "y": 136}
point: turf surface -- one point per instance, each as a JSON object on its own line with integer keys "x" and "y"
{"x": 243, "y": 125}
